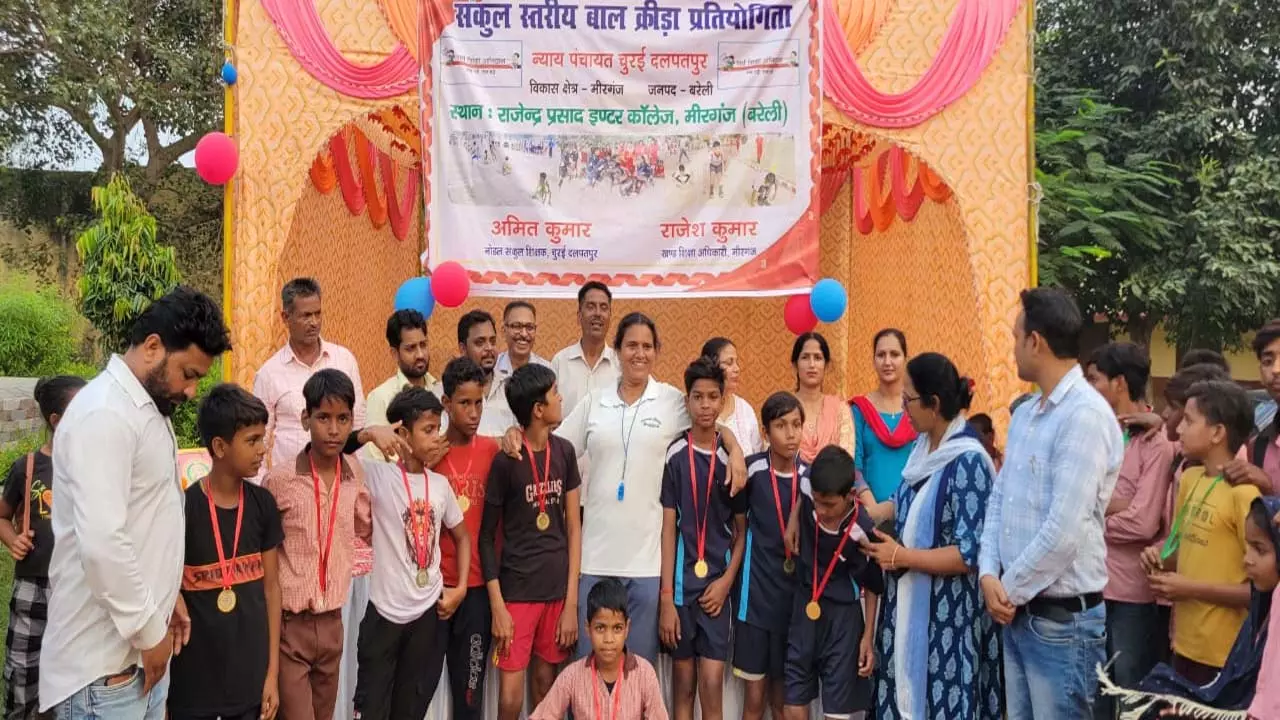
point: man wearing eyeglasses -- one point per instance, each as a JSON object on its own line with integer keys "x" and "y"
{"x": 519, "y": 329}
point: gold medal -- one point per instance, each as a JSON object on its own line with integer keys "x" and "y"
{"x": 544, "y": 521}
{"x": 464, "y": 503}
{"x": 422, "y": 577}
{"x": 700, "y": 568}
{"x": 789, "y": 566}
{"x": 227, "y": 600}
{"x": 813, "y": 610}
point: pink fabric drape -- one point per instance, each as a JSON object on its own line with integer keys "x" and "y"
{"x": 303, "y": 32}
{"x": 975, "y": 33}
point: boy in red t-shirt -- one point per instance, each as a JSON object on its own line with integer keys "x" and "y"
{"x": 466, "y": 631}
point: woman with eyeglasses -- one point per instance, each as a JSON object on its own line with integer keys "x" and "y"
{"x": 737, "y": 415}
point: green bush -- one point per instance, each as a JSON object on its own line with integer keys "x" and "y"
{"x": 38, "y": 329}
{"x": 16, "y": 449}
{"x": 184, "y": 418}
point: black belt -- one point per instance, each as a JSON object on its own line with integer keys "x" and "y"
{"x": 1061, "y": 609}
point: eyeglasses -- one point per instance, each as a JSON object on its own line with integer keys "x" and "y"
{"x": 908, "y": 399}
{"x": 522, "y": 327}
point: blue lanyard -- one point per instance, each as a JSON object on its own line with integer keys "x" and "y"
{"x": 626, "y": 447}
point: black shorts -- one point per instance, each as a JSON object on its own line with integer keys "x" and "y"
{"x": 758, "y": 653}
{"x": 825, "y": 653}
{"x": 701, "y": 635}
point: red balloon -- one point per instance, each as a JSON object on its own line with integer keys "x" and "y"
{"x": 799, "y": 315}
{"x": 450, "y": 284}
{"x": 216, "y": 158}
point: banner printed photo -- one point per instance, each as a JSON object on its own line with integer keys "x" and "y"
{"x": 665, "y": 148}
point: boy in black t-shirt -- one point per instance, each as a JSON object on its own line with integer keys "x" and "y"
{"x": 533, "y": 587}
{"x": 703, "y": 535}
{"x": 830, "y": 640}
{"x": 769, "y": 583}
{"x": 230, "y": 586}
{"x": 26, "y": 529}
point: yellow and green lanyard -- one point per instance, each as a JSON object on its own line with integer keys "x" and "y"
{"x": 1174, "y": 540}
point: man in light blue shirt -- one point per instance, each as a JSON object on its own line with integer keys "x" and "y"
{"x": 1043, "y": 560}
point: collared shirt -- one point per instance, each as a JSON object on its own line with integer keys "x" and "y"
{"x": 1144, "y": 480}
{"x": 628, "y": 447}
{"x": 119, "y": 534}
{"x": 299, "y": 556}
{"x": 574, "y": 378}
{"x": 497, "y": 417}
{"x": 639, "y": 696}
{"x": 1044, "y": 525}
{"x": 380, "y": 399}
{"x": 278, "y": 385}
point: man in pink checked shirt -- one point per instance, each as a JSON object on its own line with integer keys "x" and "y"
{"x": 1137, "y": 627}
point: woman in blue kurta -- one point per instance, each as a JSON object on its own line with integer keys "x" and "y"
{"x": 939, "y": 650}
{"x": 882, "y": 434}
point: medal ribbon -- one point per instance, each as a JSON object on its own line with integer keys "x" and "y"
{"x": 463, "y": 478}
{"x": 224, "y": 565}
{"x": 777, "y": 503}
{"x": 831, "y": 566}
{"x": 538, "y": 485}
{"x": 326, "y": 545}
{"x": 617, "y": 690}
{"x": 1174, "y": 540}
{"x": 700, "y": 519}
{"x": 418, "y": 522}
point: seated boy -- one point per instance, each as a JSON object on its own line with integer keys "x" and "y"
{"x": 230, "y": 582}
{"x": 611, "y": 682}
{"x": 830, "y": 642}
{"x": 703, "y": 535}
{"x": 533, "y": 585}
{"x": 769, "y": 581}
{"x": 1200, "y": 566}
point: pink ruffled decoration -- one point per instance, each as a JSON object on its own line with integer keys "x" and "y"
{"x": 303, "y": 32}
{"x": 972, "y": 39}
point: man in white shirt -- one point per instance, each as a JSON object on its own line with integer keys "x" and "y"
{"x": 119, "y": 529}
{"x": 589, "y": 364}
{"x": 278, "y": 383}
{"x": 478, "y": 340}
{"x": 519, "y": 329}
{"x": 407, "y": 336}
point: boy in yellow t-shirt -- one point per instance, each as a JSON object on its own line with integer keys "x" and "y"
{"x": 1200, "y": 568}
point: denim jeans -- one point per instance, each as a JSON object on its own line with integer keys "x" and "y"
{"x": 125, "y": 701}
{"x": 1050, "y": 667}
{"x": 642, "y": 606}
{"x": 1136, "y": 635}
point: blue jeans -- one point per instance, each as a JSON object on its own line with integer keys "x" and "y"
{"x": 642, "y": 607}
{"x": 117, "y": 702}
{"x": 1050, "y": 667}
{"x": 1136, "y": 636}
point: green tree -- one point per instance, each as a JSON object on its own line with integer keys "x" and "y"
{"x": 123, "y": 267}
{"x": 81, "y": 72}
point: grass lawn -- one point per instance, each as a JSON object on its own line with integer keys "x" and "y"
{"x": 6, "y": 591}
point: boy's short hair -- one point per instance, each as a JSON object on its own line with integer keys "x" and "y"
{"x": 981, "y": 424}
{"x": 832, "y": 471}
{"x": 402, "y": 320}
{"x": 225, "y": 411}
{"x": 1223, "y": 402}
{"x": 1175, "y": 391}
{"x": 460, "y": 371}
{"x": 607, "y": 594}
{"x": 1124, "y": 359}
{"x": 703, "y": 369}
{"x": 331, "y": 384}
{"x": 1202, "y": 356}
{"x": 1267, "y": 334}
{"x": 410, "y": 404}
{"x": 527, "y": 387}
{"x": 778, "y": 405}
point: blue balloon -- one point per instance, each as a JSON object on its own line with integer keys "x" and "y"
{"x": 415, "y": 294}
{"x": 828, "y": 300}
{"x": 229, "y": 74}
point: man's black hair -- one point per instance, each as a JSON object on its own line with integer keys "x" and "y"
{"x": 1204, "y": 356}
{"x": 460, "y": 371}
{"x": 1176, "y": 390}
{"x": 1223, "y": 402}
{"x": 593, "y": 285}
{"x": 1054, "y": 315}
{"x": 607, "y": 594}
{"x": 516, "y": 305}
{"x": 226, "y": 410}
{"x": 470, "y": 320}
{"x": 328, "y": 383}
{"x": 1267, "y": 334}
{"x": 527, "y": 387}
{"x": 402, "y": 320}
{"x": 832, "y": 471}
{"x": 303, "y": 287}
{"x": 703, "y": 369}
{"x": 1117, "y": 359}
{"x": 181, "y": 318}
{"x": 410, "y": 404}
{"x": 777, "y": 405}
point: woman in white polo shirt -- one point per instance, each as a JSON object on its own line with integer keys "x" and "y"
{"x": 626, "y": 429}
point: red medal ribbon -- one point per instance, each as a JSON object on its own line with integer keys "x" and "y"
{"x": 777, "y": 502}
{"x": 819, "y": 587}
{"x": 224, "y": 565}
{"x": 538, "y": 485}
{"x": 617, "y": 690}
{"x": 418, "y": 522}
{"x": 326, "y": 545}
{"x": 701, "y": 522}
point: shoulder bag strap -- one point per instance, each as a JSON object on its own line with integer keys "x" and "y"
{"x": 26, "y": 497}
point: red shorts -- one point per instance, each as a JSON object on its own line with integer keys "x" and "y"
{"x": 535, "y": 634}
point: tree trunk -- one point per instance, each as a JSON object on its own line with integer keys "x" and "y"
{"x": 1140, "y": 328}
